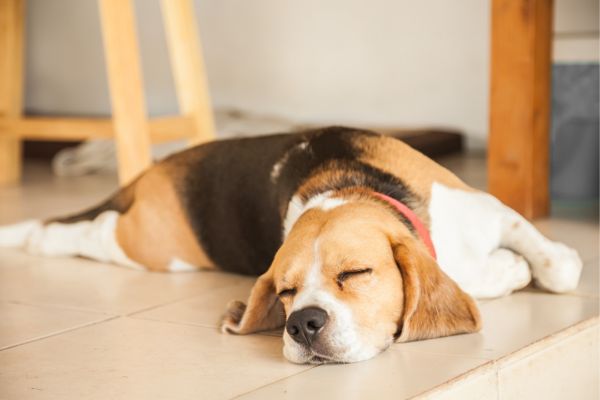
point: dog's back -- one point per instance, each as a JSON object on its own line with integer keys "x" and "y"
{"x": 220, "y": 204}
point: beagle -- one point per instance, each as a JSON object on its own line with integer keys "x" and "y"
{"x": 359, "y": 240}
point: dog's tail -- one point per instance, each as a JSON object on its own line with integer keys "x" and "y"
{"x": 119, "y": 202}
{"x": 29, "y": 234}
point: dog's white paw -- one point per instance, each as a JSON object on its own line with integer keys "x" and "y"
{"x": 559, "y": 269}
{"x": 504, "y": 272}
{"x": 17, "y": 235}
{"x": 233, "y": 316}
{"x": 517, "y": 269}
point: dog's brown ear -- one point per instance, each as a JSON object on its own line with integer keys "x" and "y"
{"x": 263, "y": 312}
{"x": 434, "y": 305}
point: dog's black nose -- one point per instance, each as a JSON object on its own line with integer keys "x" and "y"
{"x": 303, "y": 325}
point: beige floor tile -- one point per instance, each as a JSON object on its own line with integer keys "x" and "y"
{"x": 566, "y": 370}
{"x": 140, "y": 359}
{"x": 394, "y": 374}
{"x": 590, "y": 279}
{"x": 204, "y": 310}
{"x": 88, "y": 285}
{"x": 581, "y": 235}
{"x": 43, "y": 195}
{"x": 480, "y": 384}
{"x": 513, "y": 322}
{"x": 21, "y": 323}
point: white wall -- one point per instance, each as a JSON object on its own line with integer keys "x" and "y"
{"x": 380, "y": 61}
{"x": 576, "y": 31}
{"x": 376, "y": 62}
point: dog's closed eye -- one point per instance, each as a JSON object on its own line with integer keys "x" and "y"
{"x": 287, "y": 292}
{"x": 345, "y": 275}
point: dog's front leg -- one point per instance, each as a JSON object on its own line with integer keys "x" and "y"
{"x": 555, "y": 266}
{"x": 472, "y": 231}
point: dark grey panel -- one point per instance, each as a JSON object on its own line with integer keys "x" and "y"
{"x": 575, "y": 131}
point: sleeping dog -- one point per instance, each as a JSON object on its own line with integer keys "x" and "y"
{"x": 358, "y": 239}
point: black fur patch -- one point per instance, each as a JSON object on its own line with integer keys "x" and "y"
{"x": 354, "y": 174}
{"x": 236, "y": 206}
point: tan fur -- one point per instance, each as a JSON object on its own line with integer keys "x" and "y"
{"x": 263, "y": 312}
{"x": 155, "y": 229}
{"x": 416, "y": 170}
{"x": 434, "y": 305}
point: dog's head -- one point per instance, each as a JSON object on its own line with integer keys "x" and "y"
{"x": 349, "y": 281}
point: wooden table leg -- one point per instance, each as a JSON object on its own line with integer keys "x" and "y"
{"x": 188, "y": 67}
{"x": 126, "y": 87}
{"x": 518, "y": 155}
{"x": 12, "y": 17}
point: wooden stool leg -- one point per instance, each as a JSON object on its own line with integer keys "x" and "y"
{"x": 126, "y": 88}
{"x": 12, "y": 16}
{"x": 188, "y": 66}
{"x": 518, "y": 160}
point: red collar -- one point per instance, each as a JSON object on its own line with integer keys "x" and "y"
{"x": 414, "y": 220}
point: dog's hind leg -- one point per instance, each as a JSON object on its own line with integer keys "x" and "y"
{"x": 94, "y": 239}
{"x": 143, "y": 226}
{"x": 17, "y": 235}
{"x": 90, "y": 234}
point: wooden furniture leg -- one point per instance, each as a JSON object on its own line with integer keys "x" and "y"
{"x": 518, "y": 158}
{"x": 126, "y": 88}
{"x": 12, "y": 16}
{"x": 188, "y": 66}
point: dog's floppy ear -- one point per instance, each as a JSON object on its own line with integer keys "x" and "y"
{"x": 263, "y": 312}
{"x": 434, "y": 305}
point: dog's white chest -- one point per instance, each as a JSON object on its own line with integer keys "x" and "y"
{"x": 466, "y": 228}
{"x": 463, "y": 226}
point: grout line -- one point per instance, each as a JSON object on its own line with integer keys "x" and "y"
{"x": 274, "y": 382}
{"x": 471, "y": 373}
{"x": 196, "y": 325}
{"x": 497, "y": 373}
{"x": 585, "y": 34}
{"x": 59, "y": 332}
{"x": 117, "y": 313}
{"x": 184, "y": 298}
{"x": 58, "y": 307}
{"x": 540, "y": 292}
{"x": 584, "y": 295}
{"x": 537, "y": 291}
{"x": 398, "y": 347}
{"x": 155, "y": 306}
{"x": 547, "y": 341}
{"x": 173, "y": 322}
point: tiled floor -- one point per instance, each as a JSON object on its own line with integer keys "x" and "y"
{"x": 72, "y": 328}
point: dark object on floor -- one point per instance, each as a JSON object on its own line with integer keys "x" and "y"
{"x": 432, "y": 142}
{"x": 43, "y": 150}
